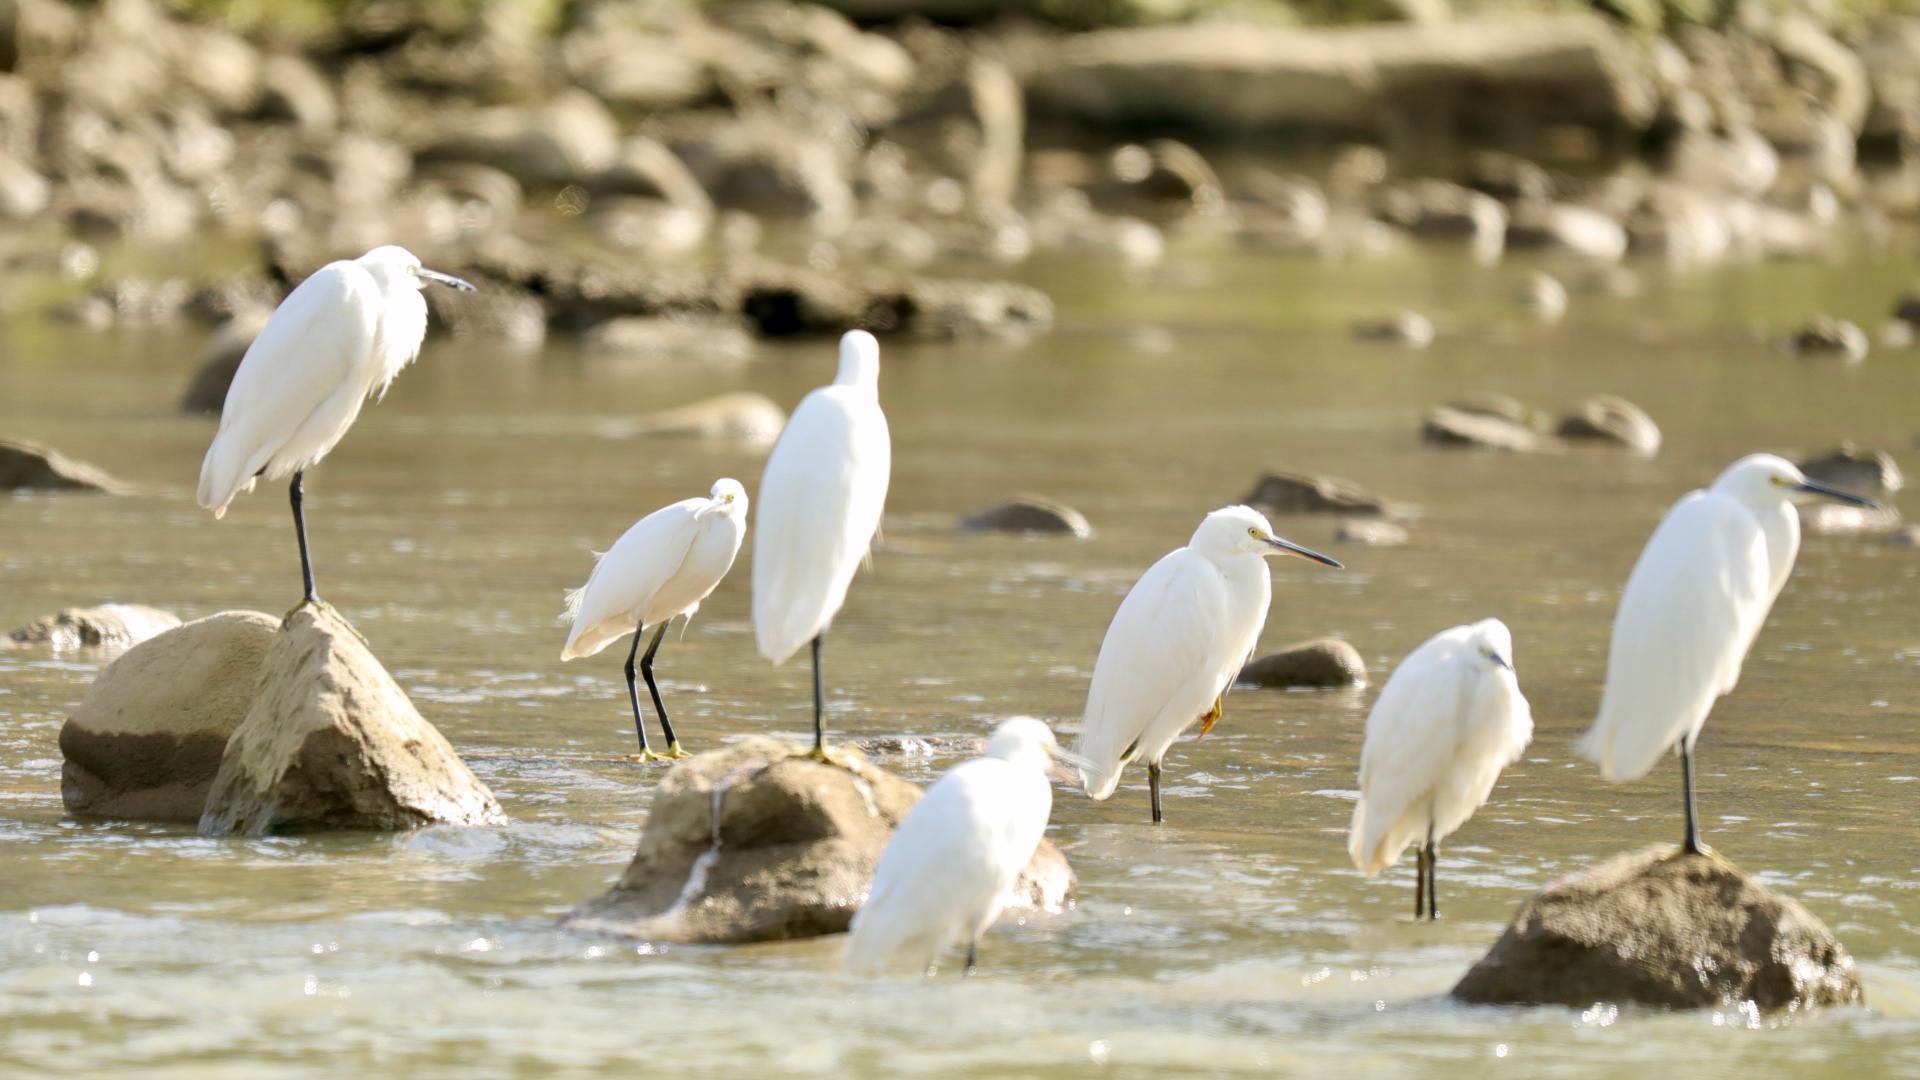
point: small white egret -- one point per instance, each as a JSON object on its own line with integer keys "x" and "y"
{"x": 1691, "y": 609}
{"x": 820, "y": 502}
{"x": 946, "y": 873}
{"x": 660, "y": 569}
{"x": 335, "y": 341}
{"x": 1180, "y": 636}
{"x": 1449, "y": 719}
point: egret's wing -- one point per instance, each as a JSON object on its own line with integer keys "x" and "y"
{"x": 1412, "y": 733}
{"x": 1170, "y": 631}
{"x": 819, "y": 506}
{"x": 1691, "y": 607}
{"x": 645, "y": 557}
{"x": 312, "y": 347}
{"x": 947, "y": 863}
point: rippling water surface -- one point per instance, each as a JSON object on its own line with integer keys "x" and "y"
{"x": 1234, "y": 939}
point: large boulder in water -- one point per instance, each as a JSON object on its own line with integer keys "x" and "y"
{"x": 1660, "y": 928}
{"x": 1321, "y": 664}
{"x": 109, "y": 626}
{"x": 147, "y": 740}
{"x": 332, "y": 742}
{"x": 757, "y": 841}
{"x": 1281, "y": 492}
{"x": 30, "y": 466}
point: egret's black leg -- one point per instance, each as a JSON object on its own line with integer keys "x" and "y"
{"x": 633, "y": 693}
{"x": 973, "y": 955}
{"x": 1153, "y": 790}
{"x": 1419, "y": 882}
{"x": 819, "y": 703}
{"x": 1692, "y": 845}
{"x": 295, "y": 496}
{"x": 653, "y": 689}
{"x": 1433, "y": 879}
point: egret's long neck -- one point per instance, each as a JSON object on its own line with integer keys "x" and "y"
{"x": 1780, "y": 524}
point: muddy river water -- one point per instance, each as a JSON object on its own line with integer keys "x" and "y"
{"x": 1236, "y": 938}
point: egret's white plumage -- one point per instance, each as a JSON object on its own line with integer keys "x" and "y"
{"x": 946, "y": 873}
{"x": 1696, "y": 599}
{"x": 1176, "y": 643}
{"x": 1449, "y": 718}
{"x": 336, "y": 340}
{"x": 820, "y": 500}
{"x": 660, "y": 568}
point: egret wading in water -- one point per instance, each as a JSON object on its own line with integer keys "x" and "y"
{"x": 1449, "y": 719}
{"x": 1181, "y": 635}
{"x": 335, "y": 341}
{"x": 946, "y": 873}
{"x": 659, "y": 570}
{"x": 1691, "y": 609}
{"x": 820, "y": 501}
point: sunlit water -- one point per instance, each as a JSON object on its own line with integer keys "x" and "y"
{"x": 1235, "y": 938}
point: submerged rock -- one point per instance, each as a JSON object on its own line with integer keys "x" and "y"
{"x": 1610, "y": 419}
{"x": 1659, "y": 928}
{"x": 1324, "y": 663}
{"x": 1906, "y": 537}
{"x": 30, "y": 466}
{"x": 1543, "y": 295}
{"x": 1030, "y": 514}
{"x": 758, "y": 842}
{"x": 1279, "y": 492}
{"x": 1840, "y": 519}
{"x": 110, "y": 626}
{"x": 1447, "y": 425}
{"x": 147, "y": 740}
{"x": 699, "y": 340}
{"x": 1371, "y": 533}
{"x": 1408, "y": 328}
{"x": 1825, "y": 336}
{"x": 738, "y": 417}
{"x": 1855, "y": 468}
{"x": 332, "y": 742}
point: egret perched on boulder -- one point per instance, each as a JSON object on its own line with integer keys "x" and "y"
{"x": 1450, "y": 717}
{"x": 820, "y": 501}
{"x": 1180, "y": 636}
{"x": 946, "y": 872}
{"x": 335, "y": 341}
{"x": 1691, "y": 609}
{"x": 659, "y": 570}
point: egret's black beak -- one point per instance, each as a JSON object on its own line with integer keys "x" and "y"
{"x": 1500, "y": 661}
{"x": 1292, "y": 548}
{"x": 1815, "y": 488}
{"x": 439, "y": 278}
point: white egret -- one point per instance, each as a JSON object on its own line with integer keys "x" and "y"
{"x": 946, "y": 873}
{"x": 335, "y": 341}
{"x": 1691, "y": 609}
{"x": 820, "y": 501}
{"x": 659, "y": 570}
{"x": 1180, "y": 636}
{"x": 1449, "y": 719}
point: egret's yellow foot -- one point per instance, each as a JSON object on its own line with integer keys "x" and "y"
{"x": 646, "y": 757}
{"x": 852, "y": 762}
{"x": 674, "y": 752}
{"x": 1212, "y": 716}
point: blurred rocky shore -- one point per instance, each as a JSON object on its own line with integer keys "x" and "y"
{"x": 639, "y": 170}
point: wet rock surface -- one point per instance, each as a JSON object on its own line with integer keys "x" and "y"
{"x": 330, "y": 741}
{"x": 1607, "y": 419}
{"x": 1839, "y": 519}
{"x": 31, "y": 466}
{"x": 759, "y": 842}
{"x": 108, "y": 626}
{"x": 1281, "y": 492}
{"x": 1824, "y": 337}
{"x": 1456, "y": 427}
{"x": 1855, "y": 469}
{"x": 1030, "y": 514}
{"x": 1324, "y": 663}
{"x": 1673, "y": 931}
{"x": 148, "y": 738}
{"x": 1407, "y": 328}
{"x": 1371, "y": 532}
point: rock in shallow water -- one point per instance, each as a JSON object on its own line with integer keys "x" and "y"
{"x": 1855, "y": 469}
{"x": 332, "y": 742}
{"x": 1610, "y": 419}
{"x": 758, "y": 842}
{"x": 1279, "y": 492}
{"x": 1371, "y": 533}
{"x": 741, "y": 417}
{"x": 220, "y": 361}
{"x": 1322, "y": 664}
{"x": 30, "y": 466}
{"x": 147, "y": 740}
{"x": 1659, "y": 928}
{"x": 1447, "y": 425}
{"x": 109, "y": 626}
{"x": 1030, "y": 514}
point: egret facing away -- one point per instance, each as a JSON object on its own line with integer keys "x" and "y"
{"x": 335, "y": 341}
{"x": 1449, "y": 719}
{"x": 659, "y": 569}
{"x": 1691, "y": 609}
{"x": 820, "y": 501}
{"x": 1175, "y": 645}
{"x": 946, "y": 872}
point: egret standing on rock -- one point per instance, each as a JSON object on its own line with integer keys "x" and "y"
{"x": 1175, "y": 645}
{"x": 335, "y": 341}
{"x": 946, "y": 872}
{"x": 659, "y": 570}
{"x": 1691, "y": 609}
{"x": 820, "y": 501}
{"x": 1449, "y": 719}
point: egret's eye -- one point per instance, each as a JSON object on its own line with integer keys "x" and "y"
{"x": 414, "y": 270}
{"x": 728, "y": 496}
{"x": 1779, "y": 481}
{"x": 1253, "y": 532}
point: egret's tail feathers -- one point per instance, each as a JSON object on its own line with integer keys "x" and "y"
{"x": 224, "y": 476}
{"x": 1097, "y": 779}
{"x": 1601, "y": 745}
{"x": 1369, "y": 853}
